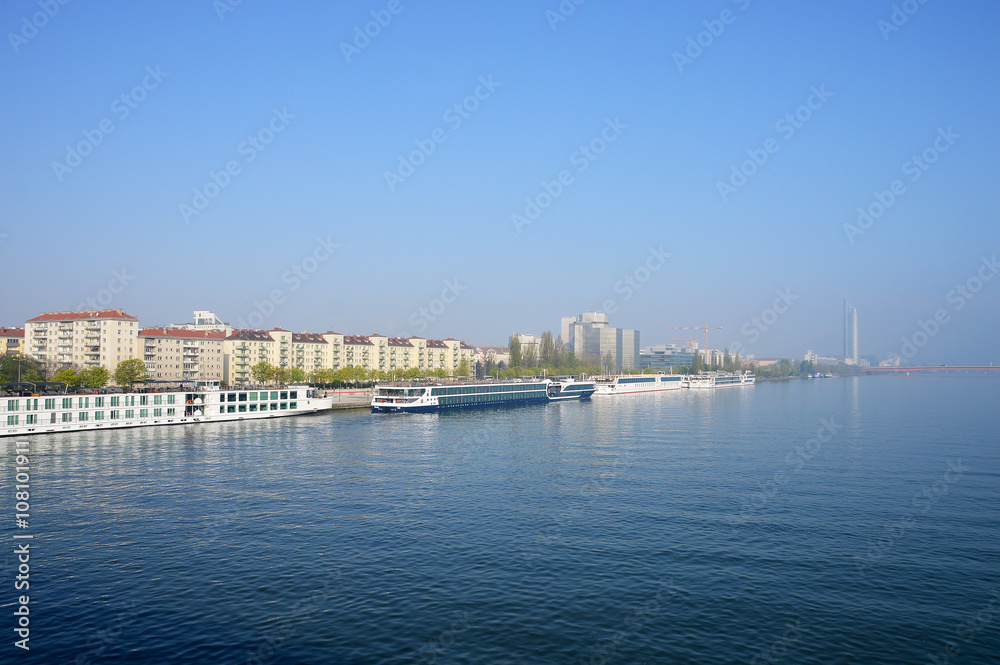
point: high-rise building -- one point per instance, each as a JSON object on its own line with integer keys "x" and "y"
{"x": 590, "y": 336}
{"x": 850, "y": 333}
{"x": 83, "y": 339}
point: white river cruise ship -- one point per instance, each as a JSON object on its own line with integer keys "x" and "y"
{"x": 638, "y": 383}
{"x": 26, "y": 412}
{"x": 708, "y": 380}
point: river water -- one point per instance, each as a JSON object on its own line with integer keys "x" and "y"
{"x": 851, "y": 520}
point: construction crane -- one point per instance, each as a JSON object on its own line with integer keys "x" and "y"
{"x": 690, "y": 340}
{"x": 705, "y": 327}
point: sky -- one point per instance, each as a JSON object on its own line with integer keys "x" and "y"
{"x": 469, "y": 170}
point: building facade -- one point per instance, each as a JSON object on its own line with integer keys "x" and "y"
{"x": 82, "y": 339}
{"x": 175, "y": 354}
{"x": 11, "y": 341}
{"x": 850, "y": 334}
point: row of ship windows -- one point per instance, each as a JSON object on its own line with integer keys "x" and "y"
{"x": 245, "y": 408}
{"x": 471, "y": 390}
{"x": 284, "y": 394}
{"x": 492, "y": 398}
{"x": 84, "y": 416}
{"x": 49, "y": 403}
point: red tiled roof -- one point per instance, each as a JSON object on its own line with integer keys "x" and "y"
{"x": 357, "y": 339}
{"x": 399, "y": 341}
{"x": 182, "y": 332}
{"x": 11, "y": 332}
{"x": 436, "y": 344}
{"x": 86, "y": 314}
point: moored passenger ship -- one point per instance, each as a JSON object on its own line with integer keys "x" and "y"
{"x": 389, "y": 398}
{"x": 720, "y": 380}
{"x": 638, "y": 383}
{"x": 41, "y": 413}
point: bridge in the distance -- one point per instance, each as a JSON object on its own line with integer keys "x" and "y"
{"x": 938, "y": 368}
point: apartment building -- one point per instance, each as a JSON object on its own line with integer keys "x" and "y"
{"x": 177, "y": 354}
{"x": 11, "y": 341}
{"x": 82, "y": 339}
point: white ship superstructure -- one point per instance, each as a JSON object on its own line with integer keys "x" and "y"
{"x": 26, "y": 412}
{"x": 708, "y": 380}
{"x": 638, "y": 383}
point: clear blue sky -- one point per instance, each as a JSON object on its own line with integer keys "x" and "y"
{"x": 324, "y": 173}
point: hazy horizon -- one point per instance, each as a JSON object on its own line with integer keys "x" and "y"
{"x": 168, "y": 158}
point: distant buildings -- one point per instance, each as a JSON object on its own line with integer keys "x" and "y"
{"x": 850, "y": 334}
{"x": 11, "y": 341}
{"x": 210, "y": 350}
{"x": 590, "y": 335}
{"x": 666, "y": 356}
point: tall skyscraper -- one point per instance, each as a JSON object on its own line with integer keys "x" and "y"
{"x": 850, "y": 333}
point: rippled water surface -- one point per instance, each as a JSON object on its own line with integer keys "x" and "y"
{"x": 825, "y": 521}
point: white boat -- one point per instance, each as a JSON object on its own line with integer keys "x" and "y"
{"x": 40, "y": 413}
{"x": 427, "y": 397}
{"x": 708, "y": 380}
{"x": 637, "y": 383}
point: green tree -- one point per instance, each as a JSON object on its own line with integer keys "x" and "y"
{"x": 130, "y": 372}
{"x": 515, "y": 351}
{"x": 296, "y": 375}
{"x": 463, "y": 367}
{"x": 27, "y": 367}
{"x": 261, "y": 372}
{"x": 696, "y": 364}
{"x": 279, "y": 375}
{"x": 529, "y": 357}
{"x": 94, "y": 377}
{"x": 547, "y": 351}
{"x": 69, "y": 376}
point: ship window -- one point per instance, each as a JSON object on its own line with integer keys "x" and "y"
{"x": 99, "y": 402}
{"x": 293, "y": 394}
{"x": 253, "y": 397}
{"x": 243, "y": 408}
{"x": 66, "y": 417}
{"x": 293, "y": 405}
{"x": 114, "y": 401}
{"x": 253, "y": 407}
{"x": 98, "y": 415}
{"x": 274, "y": 406}
{"x": 11, "y": 420}
{"x": 67, "y": 403}
{"x": 30, "y": 419}
{"x": 170, "y": 400}
{"x": 157, "y": 413}
{"x": 231, "y": 408}
{"x": 143, "y": 400}
{"x": 114, "y": 415}
{"x": 274, "y": 394}
{"x": 12, "y": 405}
{"x": 171, "y": 412}
{"x": 143, "y": 413}
{"x": 50, "y": 403}
{"x": 284, "y": 394}
{"x": 243, "y": 398}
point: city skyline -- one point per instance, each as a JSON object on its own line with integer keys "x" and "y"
{"x": 301, "y": 172}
